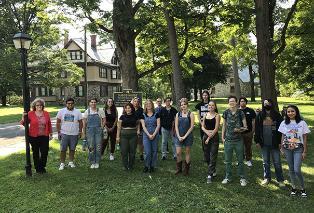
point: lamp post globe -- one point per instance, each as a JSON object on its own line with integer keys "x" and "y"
{"x": 22, "y": 42}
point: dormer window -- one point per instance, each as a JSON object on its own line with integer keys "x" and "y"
{"x": 114, "y": 74}
{"x": 76, "y": 55}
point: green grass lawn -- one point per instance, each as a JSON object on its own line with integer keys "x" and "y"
{"x": 112, "y": 189}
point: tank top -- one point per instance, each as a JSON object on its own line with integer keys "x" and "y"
{"x": 210, "y": 123}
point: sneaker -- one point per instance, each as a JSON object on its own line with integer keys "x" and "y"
{"x": 96, "y": 165}
{"x": 71, "y": 164}
{"x": 225, "y": 181}
{"x": 111, "y": 157}
{"x": 281, "y": 184}
{"x": 293, "y": 192}
{"x": 61, "y": 167}
{"x": 265, "y": 181}
{"x": 243, "y": 182}
{"x": 303, "y": 193}
{"x": 92, "y": 166}
{"x": 209, "y": 179}
{"x": 249, "y": 163}
{"x": 163, "y": 158}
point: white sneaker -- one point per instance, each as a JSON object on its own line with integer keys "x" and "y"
{"x": 92, "y": 166}
{"x": 265, "y": 181}
{"x": 96, "y": 165}
{"x": 243, "y": 182}
{"x": 249, "y": 163}
{"x": 214, "y": 174}
{"x": 111, "y": 157}
{"x": 225, "y": 181}
{"x": 71, "y": 164}
{"x": 61, "y": 167}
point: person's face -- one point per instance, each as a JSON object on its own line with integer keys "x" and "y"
{"x": 242, "y": 103}
{"x": 149, "y": 105}
{"x": 39, "y": 106}
{"x": 168, "y": 102}
{"x": 128, "y": 110}
{"x": 205, "y": 96}
{"x": 183, "y": 106}
{"x": 158, "y": 102}
{"x": 291, "y": 113}
{"x": 110, "y": 102}
{"x": 70, "y": 105}
{"x": 266, "y": 103}
{"x": 92, "y": 104}
{"x": 232, "y": 102}
{"x": 135, "y": 103}
{"x": 211, "y": 107}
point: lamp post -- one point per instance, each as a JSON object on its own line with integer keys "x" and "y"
{"x": 22, "y": 42}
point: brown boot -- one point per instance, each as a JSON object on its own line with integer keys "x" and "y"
{"x": 179, "y": 168}
{"x": 186, "y": 168}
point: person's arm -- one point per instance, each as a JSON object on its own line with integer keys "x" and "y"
{"x": 223, "y": 131}
{"x": 118, "y": 131}
{"x": 176, "y": 123}
{"x": 49, "y": 126}
{"x": 144, "y": 127}
{"x": 304, "y": 146}
{"x": 58, "y": 125}
{"x": 253, "y": 125}
{"x": 257, "y": 136}
{"x": 207, "y": 132}
{"x": 80, "y": 127}
{"x": 157, "y": 128}
{"x": 281, "y": 143}
{"x": 191, "y": 125}
{"x": 217, "y": 117}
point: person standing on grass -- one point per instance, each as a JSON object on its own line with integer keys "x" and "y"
{"x": 69, "y": 127}
{"x": 210, "y": 126}
{"x": 184, "y": 124}
{"x": 167, "y": 117}
{"x": 127, "y": 134}
{"x": 267, "y": 139}
{"x": 151, "y": 124}
{"x": 93, "y": 123}
{"x": 294, "y": 144}
{"x": 111, "y": 126}
{"x": 233, "y": 124}
{"x": 248, "y": 135}
{"x": 138, "y": 113}
{"x": 40, "y": 132}
{"x": 202, "y": 109}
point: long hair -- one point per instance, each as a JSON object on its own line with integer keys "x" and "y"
{"x": 145, "y": 105}
{"x": 214, "y": 102}
{"x": 297, "y": 114}
{"x": 113, "y": 108}
{"x": 130, "y": 105}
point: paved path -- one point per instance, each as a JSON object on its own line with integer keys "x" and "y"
{"x": 12, "y": 137}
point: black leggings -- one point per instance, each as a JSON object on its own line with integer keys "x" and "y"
{"x": 211, "y": 152}
{"x": 40, "y": 148}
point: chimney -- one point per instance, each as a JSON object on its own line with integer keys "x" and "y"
{"x": 66, "y": 38}
{"x": 93, "y": 41}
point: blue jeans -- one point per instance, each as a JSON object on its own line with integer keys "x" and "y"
{"x": 275, "y": 154}
{"x": 94, "y": 140}
{"x": 150, "y": 149}
{"x": 165, "y": 134}
{"x": 294, "y": 159}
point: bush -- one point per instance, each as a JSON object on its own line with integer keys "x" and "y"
{"x": 15, "y": 100}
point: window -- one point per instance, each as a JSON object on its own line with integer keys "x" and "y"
{"x": 102, "y": 72}
{"x": 62, "y": 91}
{"x": 103, "y": 90}
{"x": 114, "y": 60}
{"x": 43, "y": 91}
{"x": 64, "y": 74}
{"x": 113, "y": 74}
{"x": 79, "y": 90}
{"x": 232, "y": 90}
{"x": 231, "y": 80}
{"x": 76, "y": 55}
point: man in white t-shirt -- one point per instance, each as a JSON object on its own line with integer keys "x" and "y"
{"x": 69, "y": 126}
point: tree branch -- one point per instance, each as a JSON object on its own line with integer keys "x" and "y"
{"x": 101, "y": 26}
{"x": 137, "y": 6}
{"x": 284, "y": 30}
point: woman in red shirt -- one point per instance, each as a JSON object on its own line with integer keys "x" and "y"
{"x": 40, "y": 131}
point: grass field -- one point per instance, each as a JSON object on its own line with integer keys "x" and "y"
{"x": 110, "y": 189}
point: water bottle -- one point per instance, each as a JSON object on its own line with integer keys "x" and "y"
{"x": 84, "y": 145}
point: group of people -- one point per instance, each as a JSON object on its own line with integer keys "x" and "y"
{"x": 141, "y": 128}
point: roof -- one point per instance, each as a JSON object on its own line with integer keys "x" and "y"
{"x": 102, "y": 54}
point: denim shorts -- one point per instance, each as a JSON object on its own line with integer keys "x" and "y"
{"x": 187, "y": 142}
{"x": 68, "y": 141}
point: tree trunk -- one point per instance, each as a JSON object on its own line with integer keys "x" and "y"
{"x": 264, "y": 51}
{"x": 252, "y": 82}
{"x": 235, "y": 69}
{"x": 175, "y": 60}
{"x": 4, "y": 100}
{"x": 172, "y": 89}
{"x": 124, "y": 37}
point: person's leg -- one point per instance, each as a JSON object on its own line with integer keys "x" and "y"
{"x": 104, "y": 145}
{"x": 98, "y": 142}
{"x": 154, "y": 152}
{"x": 297, "y": 159}
{"x": 113, "y": 136}
{"x": 213, "y": 155}
{"x": 140, "y": 145}
{"x": 179, "y": 159}
{"x": 164, "y": 141}
{"x": 206, "y": 149}
{"x": 174, "y": 148}
{"x": 277, "y": 164}
{"x": 124, "y": 148}
{"x": 147, "y": 150}
{"x": 239, "y": 152}
{"x": 63, "y": 147}
{"x": 91, "y": 144}
{"x": 35, "y": 148}
{"x": 247, "y": 140}
{"x": 187, "y": 161}
{"x": 266, "y": 162}
{"x": 228, "y": 150}
{"x": 72, "y": 147}
{"x": 290, "y": 160}
{"x": 132, "y": 150}
{"x": 43, "y": 149}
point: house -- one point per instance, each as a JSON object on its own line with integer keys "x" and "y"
{"x": 103, "y": 73}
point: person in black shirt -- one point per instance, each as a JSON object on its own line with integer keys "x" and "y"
{"x": 248, "y": 135}
{"x": 202, "y": 108}
{"x": 128, "y": 129}
{"x": 139, "y": 113}
{"x": 167, "y": 116}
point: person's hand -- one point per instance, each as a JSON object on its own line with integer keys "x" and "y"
{"x": 258, "y": 146}
{"x": 138, "y": 132}
{"x": 117, "y": 140}
{"x": 223, "y": 140}
{"x": 303, "y": 155}
{"x": 207, "y": 140}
